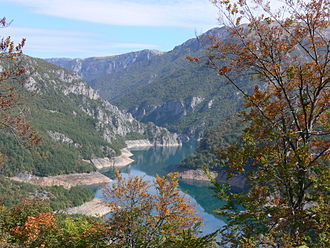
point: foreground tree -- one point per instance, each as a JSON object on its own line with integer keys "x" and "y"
{"x": 32, "y": 223}
{"x": 285, "y": 150}
{"x": 12, "y": 112}
{"x": 141, "y": 218}
{"x": 152, "y": 215}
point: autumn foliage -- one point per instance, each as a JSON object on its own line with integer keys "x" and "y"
{"x": 152, "y": 215}
{"x": 285, "y": 151}
{"x": 144, "y": 215}
{"x": 32, "y": 223}
{"x": 34, "y": 227}
{"x": 12, "y": 117}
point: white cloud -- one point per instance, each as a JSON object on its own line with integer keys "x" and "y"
{"x": 42, "y": 42}
{"x": 161, "y": 13}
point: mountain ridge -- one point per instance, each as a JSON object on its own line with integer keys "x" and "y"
{"x": 110, "y": 63}
{"x": 168, "y": 90}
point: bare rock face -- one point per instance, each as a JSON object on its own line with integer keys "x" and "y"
{"x": 119, "y": 161}
{"x": 59, "y": 137}
{"x": 95, "y": 208}
{"x": 30, "y": 84}
{"x": 138, "y": 143}
{"x": 81, "y": 89}
{"x": 192, "y": 102}
{"x": 95, "y": 67}
{"x": 67, "y": 181}
{"x": 171, "y": 111}
{"x": 199, "y": 175}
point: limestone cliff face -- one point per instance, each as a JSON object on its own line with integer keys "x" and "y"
{"x": 172, "y": 111}
{"x": 168, "y": 112}
{"x": 110, "y": 122}
{"x": 95, "y": 67}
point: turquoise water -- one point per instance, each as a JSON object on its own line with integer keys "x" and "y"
{"x": 161, "y": 160}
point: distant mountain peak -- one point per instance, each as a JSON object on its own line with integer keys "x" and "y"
{"x": 95, "y": 67}
{"x": 144, "y": 51}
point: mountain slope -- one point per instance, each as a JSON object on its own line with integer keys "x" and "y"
{"x": 75, "y": 123}
{"x": 168, "y": 90}
{"x": 97, "y": 69}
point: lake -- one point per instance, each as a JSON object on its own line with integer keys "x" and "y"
{"x": 159, "y": 161}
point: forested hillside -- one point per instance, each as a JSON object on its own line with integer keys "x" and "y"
{"x": 74, "y": 122}
{"x": 216, "y": 140}
{"x": 169, "y": 90}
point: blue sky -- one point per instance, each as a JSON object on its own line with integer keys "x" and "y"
{"x": 85, "y": 28}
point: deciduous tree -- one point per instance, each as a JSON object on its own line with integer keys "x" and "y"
{"x": 285, "y": 152}
{"x": 12, "y": 117}
{"x": 142, "y": 218}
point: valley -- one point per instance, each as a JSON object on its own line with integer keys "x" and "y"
{"x": 165, "y": 88}
{"x": 87, "y": 127}
{"x": 165, "y": 124}
{"x": 91, "y": 112}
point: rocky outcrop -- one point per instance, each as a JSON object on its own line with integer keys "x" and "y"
{"x": 67, "y": 180}
{"x": 207, "y": 106}
{"x": 81, "y": 89}
{"x": 199, "y": 175}
{"x": 59, "y": 137}
{"x": 169, "y": 112}
{"x": 192, "y": 102}
{"x": 94, "y": 208}
{"x": 124, "y": 159}
{"x": 30, "y": 85}
{"x": 118, "y": 161}
{"x": 160, "y": 136}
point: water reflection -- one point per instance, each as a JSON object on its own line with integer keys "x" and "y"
{"x": 160, "y": 161}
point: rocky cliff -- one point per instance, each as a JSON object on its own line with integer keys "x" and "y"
{"x": 91, "y": 69}
{"x": 109, "y": 120}
{"x": 165, "y": 88}
{"x": 171, "y": 112}
{"x": 74, "y": 122}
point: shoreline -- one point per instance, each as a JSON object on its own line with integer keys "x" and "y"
{"x": 199, "y": 175}
{"x": 124, "y": 158}
{"x": 144, "y": 143}
{"x": 119, "y": 161}
{"x": 93, "y": 208}
{"x": 66, "y": 180}
{"x": 81, "y": 179}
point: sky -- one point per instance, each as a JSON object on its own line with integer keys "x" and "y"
{"x": 86, "y": 28}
